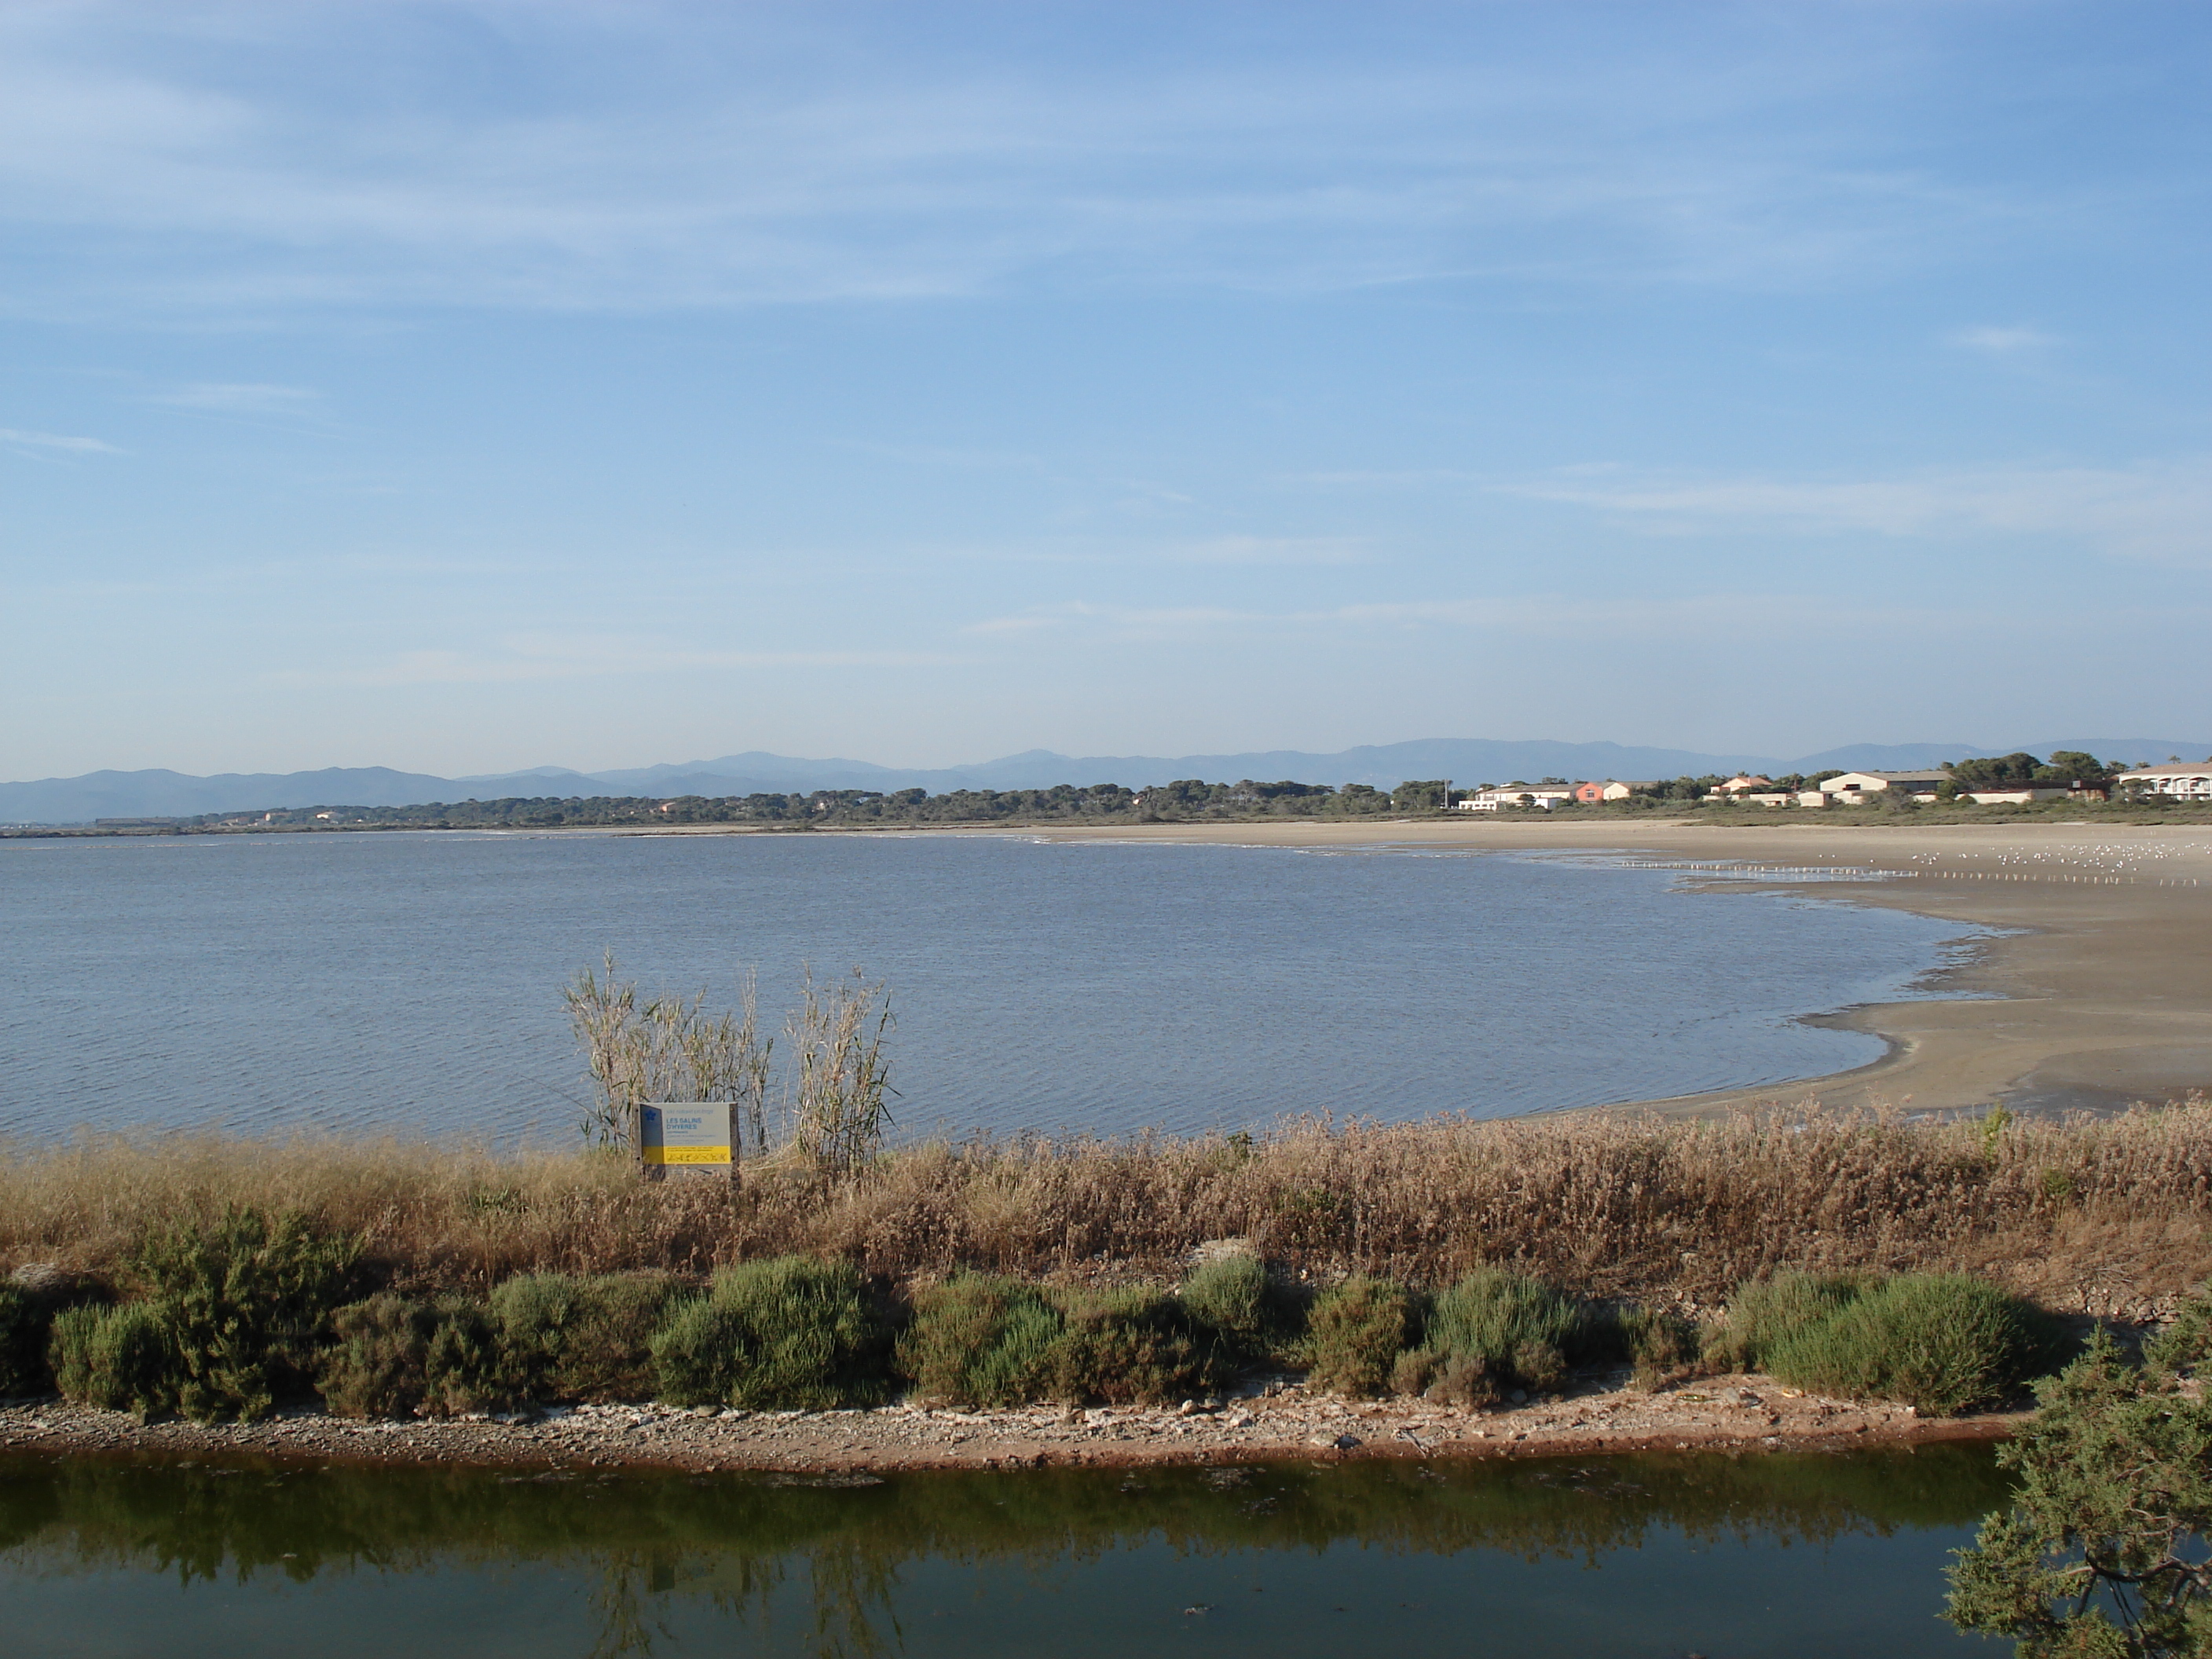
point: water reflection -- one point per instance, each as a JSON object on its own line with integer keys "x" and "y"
{"x": 1547, "y": 1556}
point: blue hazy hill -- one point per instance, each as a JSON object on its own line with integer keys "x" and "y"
{"x": 1466, "y": 761}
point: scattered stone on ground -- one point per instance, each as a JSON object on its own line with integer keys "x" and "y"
{"x": 1267, "y": 1419}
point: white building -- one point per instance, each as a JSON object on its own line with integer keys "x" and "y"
{"x": 1545, "y": 795}
{"x": 2022, "y": 794}
{"x": 2174, "y": 782}
{"x": 1854, "y": 789}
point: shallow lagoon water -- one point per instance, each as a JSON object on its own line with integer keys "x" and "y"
{"x": 410, "y": 982}
{"x": 1806, "y": 1556}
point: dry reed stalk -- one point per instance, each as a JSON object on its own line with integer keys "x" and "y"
{"x": 2112, "y": 1216}
{"x": 841, "y": 1077}
{"x": 671, "y": 1049}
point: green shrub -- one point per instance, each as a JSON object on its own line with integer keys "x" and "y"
{"x": 1939, "y": 1342}
{"x": 1134, "y": 1347}
{"x": 2186, "y": 1341}
{"x": 27, "y": 1306}
{"x": 244, "y": 1301}
{"x": 1448, "y": 1379}
{"x": 466, "y": 1368}
{"x": 787, "y": 1334}
{"x": 570, "y": 1338}
{"x": 2100, "y": 1548}
{"x": 1661, "y": 1345}
{"x": 1236, "y": 1298}
{"x": 1355, "y": 1335}
{"x": 376, "y": 1365}
{"x": 1766, "y": 1313}
{"x": 393, "y": 1357}
{"x": 976, "y": 1340}
{"x": 1491, "y": 1332}
{"x": 122, "y": 1359}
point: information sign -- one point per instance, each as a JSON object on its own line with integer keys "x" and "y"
{"x": 686, "y": 1138}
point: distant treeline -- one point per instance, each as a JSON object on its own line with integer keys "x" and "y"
{"x": 1184, "y": 800}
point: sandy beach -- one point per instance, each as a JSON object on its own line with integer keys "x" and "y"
{"x": 2099, "y": 993}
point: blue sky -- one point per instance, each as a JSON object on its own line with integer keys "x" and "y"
{"x": 467, "y": 386}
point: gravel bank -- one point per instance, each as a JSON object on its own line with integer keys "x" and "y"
{"x": 1267, "y": 1420}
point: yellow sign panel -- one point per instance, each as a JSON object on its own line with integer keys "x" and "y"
{"x": 687, "y": 1155}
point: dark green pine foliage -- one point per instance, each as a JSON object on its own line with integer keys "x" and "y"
{"x": 2104, "y": 1552}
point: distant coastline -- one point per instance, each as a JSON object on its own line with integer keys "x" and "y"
{"x": 1181, "y": 802}
{"x": 159, "y": 792}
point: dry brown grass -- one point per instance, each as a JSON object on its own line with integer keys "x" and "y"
{"x": 2110, "y": 1216}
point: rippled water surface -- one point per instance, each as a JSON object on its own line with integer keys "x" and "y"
{"x": 356, "y": 982}
{"x": 1781, "y": 1557}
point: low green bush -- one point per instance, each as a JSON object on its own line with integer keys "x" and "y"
{"x": 1135, "y": 1347}
{"x": 244, "y": 1300}
{"x": 1942, "y": 1343}
{"x": 570, "y": 1338}
{"x": 121, "y": 1358}
{"x": 377, "y": 1362}
{"x": 29, "y": 1305}
{"x": 976, "y": 1340}
{"x": 1766, "y": 1313}
{"x": 1661, "y": 1345}
{"x": 466, "y": 1369}
{"x": 1238, "y": 1300}
{"x": 1356, "y": 1332}
{"x": 391, "y": 1356}
{"x": 1492, "y": 1332}
{"x": 787, "y": 1334}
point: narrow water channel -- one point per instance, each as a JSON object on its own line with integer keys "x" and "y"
{"x": 1803, "y": 1556}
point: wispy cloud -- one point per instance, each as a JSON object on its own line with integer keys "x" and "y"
{"x": 233, "y": 397}
{"x": 2002, "y": 342}
{"x": 53, "y": 440}
{"x": 524, "y": 658}
{"x": 2155, "y": 511}
{"x": 1289, "y": 550}
{"x": 1551, "y": 618}
{"x": 773, "y": 158}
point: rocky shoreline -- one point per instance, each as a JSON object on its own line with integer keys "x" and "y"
{"x": 1268, "y": 1419}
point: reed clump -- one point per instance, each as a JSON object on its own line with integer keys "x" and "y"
{"x": 1620, "y": 1206}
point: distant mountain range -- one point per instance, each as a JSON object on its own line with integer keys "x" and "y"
{"x": 1468, "y": 761}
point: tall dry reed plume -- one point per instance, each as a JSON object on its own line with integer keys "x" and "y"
{"x": 841, "y": 1076}
{"x": 836, "y": 1090}
{"x": 668, "y": 1048}
{"x": 2113, "y": 1216}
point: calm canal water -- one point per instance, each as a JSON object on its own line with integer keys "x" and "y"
{"x": 1794, "y": 1557}
{"x": 412, "y": 981}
